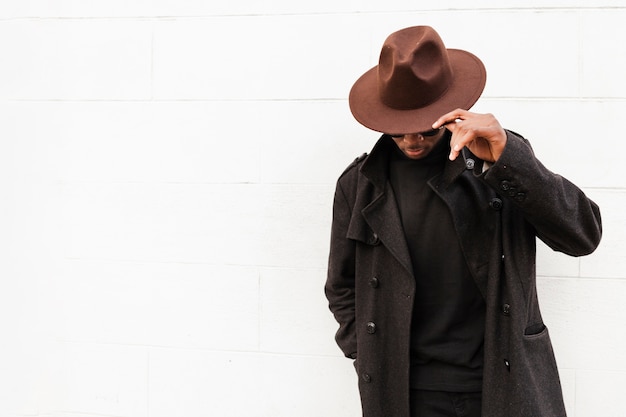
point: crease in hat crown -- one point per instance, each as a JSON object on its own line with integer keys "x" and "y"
{"x": 413, "y": 69}
{"x": 416, "y": 81}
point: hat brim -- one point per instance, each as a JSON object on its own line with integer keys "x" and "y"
{"x": 469, "y": 77}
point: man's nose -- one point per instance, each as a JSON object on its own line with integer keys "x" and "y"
{"x": 413, "y": 137}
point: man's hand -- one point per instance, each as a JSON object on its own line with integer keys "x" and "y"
{"x": 481, "y": 133}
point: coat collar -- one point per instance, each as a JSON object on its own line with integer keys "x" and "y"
{"x": 379, "y": 208}
{"x": 380, "y": 211}
{"x": 376, "y": 167}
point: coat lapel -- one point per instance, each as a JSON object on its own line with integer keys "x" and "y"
{"x": 377, "y": 205}
{"x": 461, "y": 192}
{"x": 464, "y": 194}
{"x": 383, "y": 218}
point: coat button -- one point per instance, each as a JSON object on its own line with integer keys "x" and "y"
{"x": 469, "y": 163}
{"x": 374, "y": 239}
{"x": 505, "y": 185}
{"x": 374, "y": 282}
{"x": 506, "y": 309}
{"x": 496, "y": 204}
{"x": 507, "y": 364}
{"x": 371, "y": 327}
{"x": 520, "y": 197}
{"x": 366, "y": 377}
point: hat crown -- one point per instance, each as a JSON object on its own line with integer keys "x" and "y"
{"x": 416, "y": 81}
{"x": 414, "y": 69}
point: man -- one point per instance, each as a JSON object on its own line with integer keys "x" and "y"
{"x": 431, "y": 271}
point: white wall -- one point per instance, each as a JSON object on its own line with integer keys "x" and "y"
{"x": 166, "y": 177}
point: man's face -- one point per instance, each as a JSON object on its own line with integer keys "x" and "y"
{"x": 418, "y": 145}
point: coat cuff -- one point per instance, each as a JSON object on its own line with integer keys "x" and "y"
{"x": 510, "y": 173}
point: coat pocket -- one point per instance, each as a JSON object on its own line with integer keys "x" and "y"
{"x": 539, "y": 388}
{"x": 535, "y": 330}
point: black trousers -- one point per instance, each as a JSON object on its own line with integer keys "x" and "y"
{"x": 445, "y": 404}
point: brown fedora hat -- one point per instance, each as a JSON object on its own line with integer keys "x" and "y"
{"x": 416, "y": 81}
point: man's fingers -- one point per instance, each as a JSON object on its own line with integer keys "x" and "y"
{"x": 459, "y": 140}
{"x": 449, "y": 118}
{"x": 481, "y": 133}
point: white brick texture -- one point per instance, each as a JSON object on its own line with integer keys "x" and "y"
{"x": 167, "y": 171}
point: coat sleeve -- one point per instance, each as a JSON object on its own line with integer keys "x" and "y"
{"x": 562, "y": 215}
{"x": 340, "y": 283}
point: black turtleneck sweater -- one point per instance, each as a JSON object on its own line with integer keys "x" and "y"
{"x": 449, "y": 311}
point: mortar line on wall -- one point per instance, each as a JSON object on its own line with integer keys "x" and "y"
{"x": 581, "y": 278}
{"x": 580, "y": 267}
{"x": 152, "y": 61}
{"x": 319, "y": 13}
{"x": 259, "y": 311}
{"x": 251, "y": 352}
{"x": 189, "y": 262}
{"x": 602, "y": 370}
{"x": 191, "y": 183}
{"x": 174, "y": 100}
{"x": 575, "y": 390}
{"x": 72, "y": 413}
{"x": 202, "y": 349}
{"x": 329, "y": 185}
{"x": 148, "y": 381}
{"x": 287, "y": 100}
{"x": 581, "y": 74}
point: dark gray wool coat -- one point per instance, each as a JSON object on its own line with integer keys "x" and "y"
{"x": 497, "y": 215}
